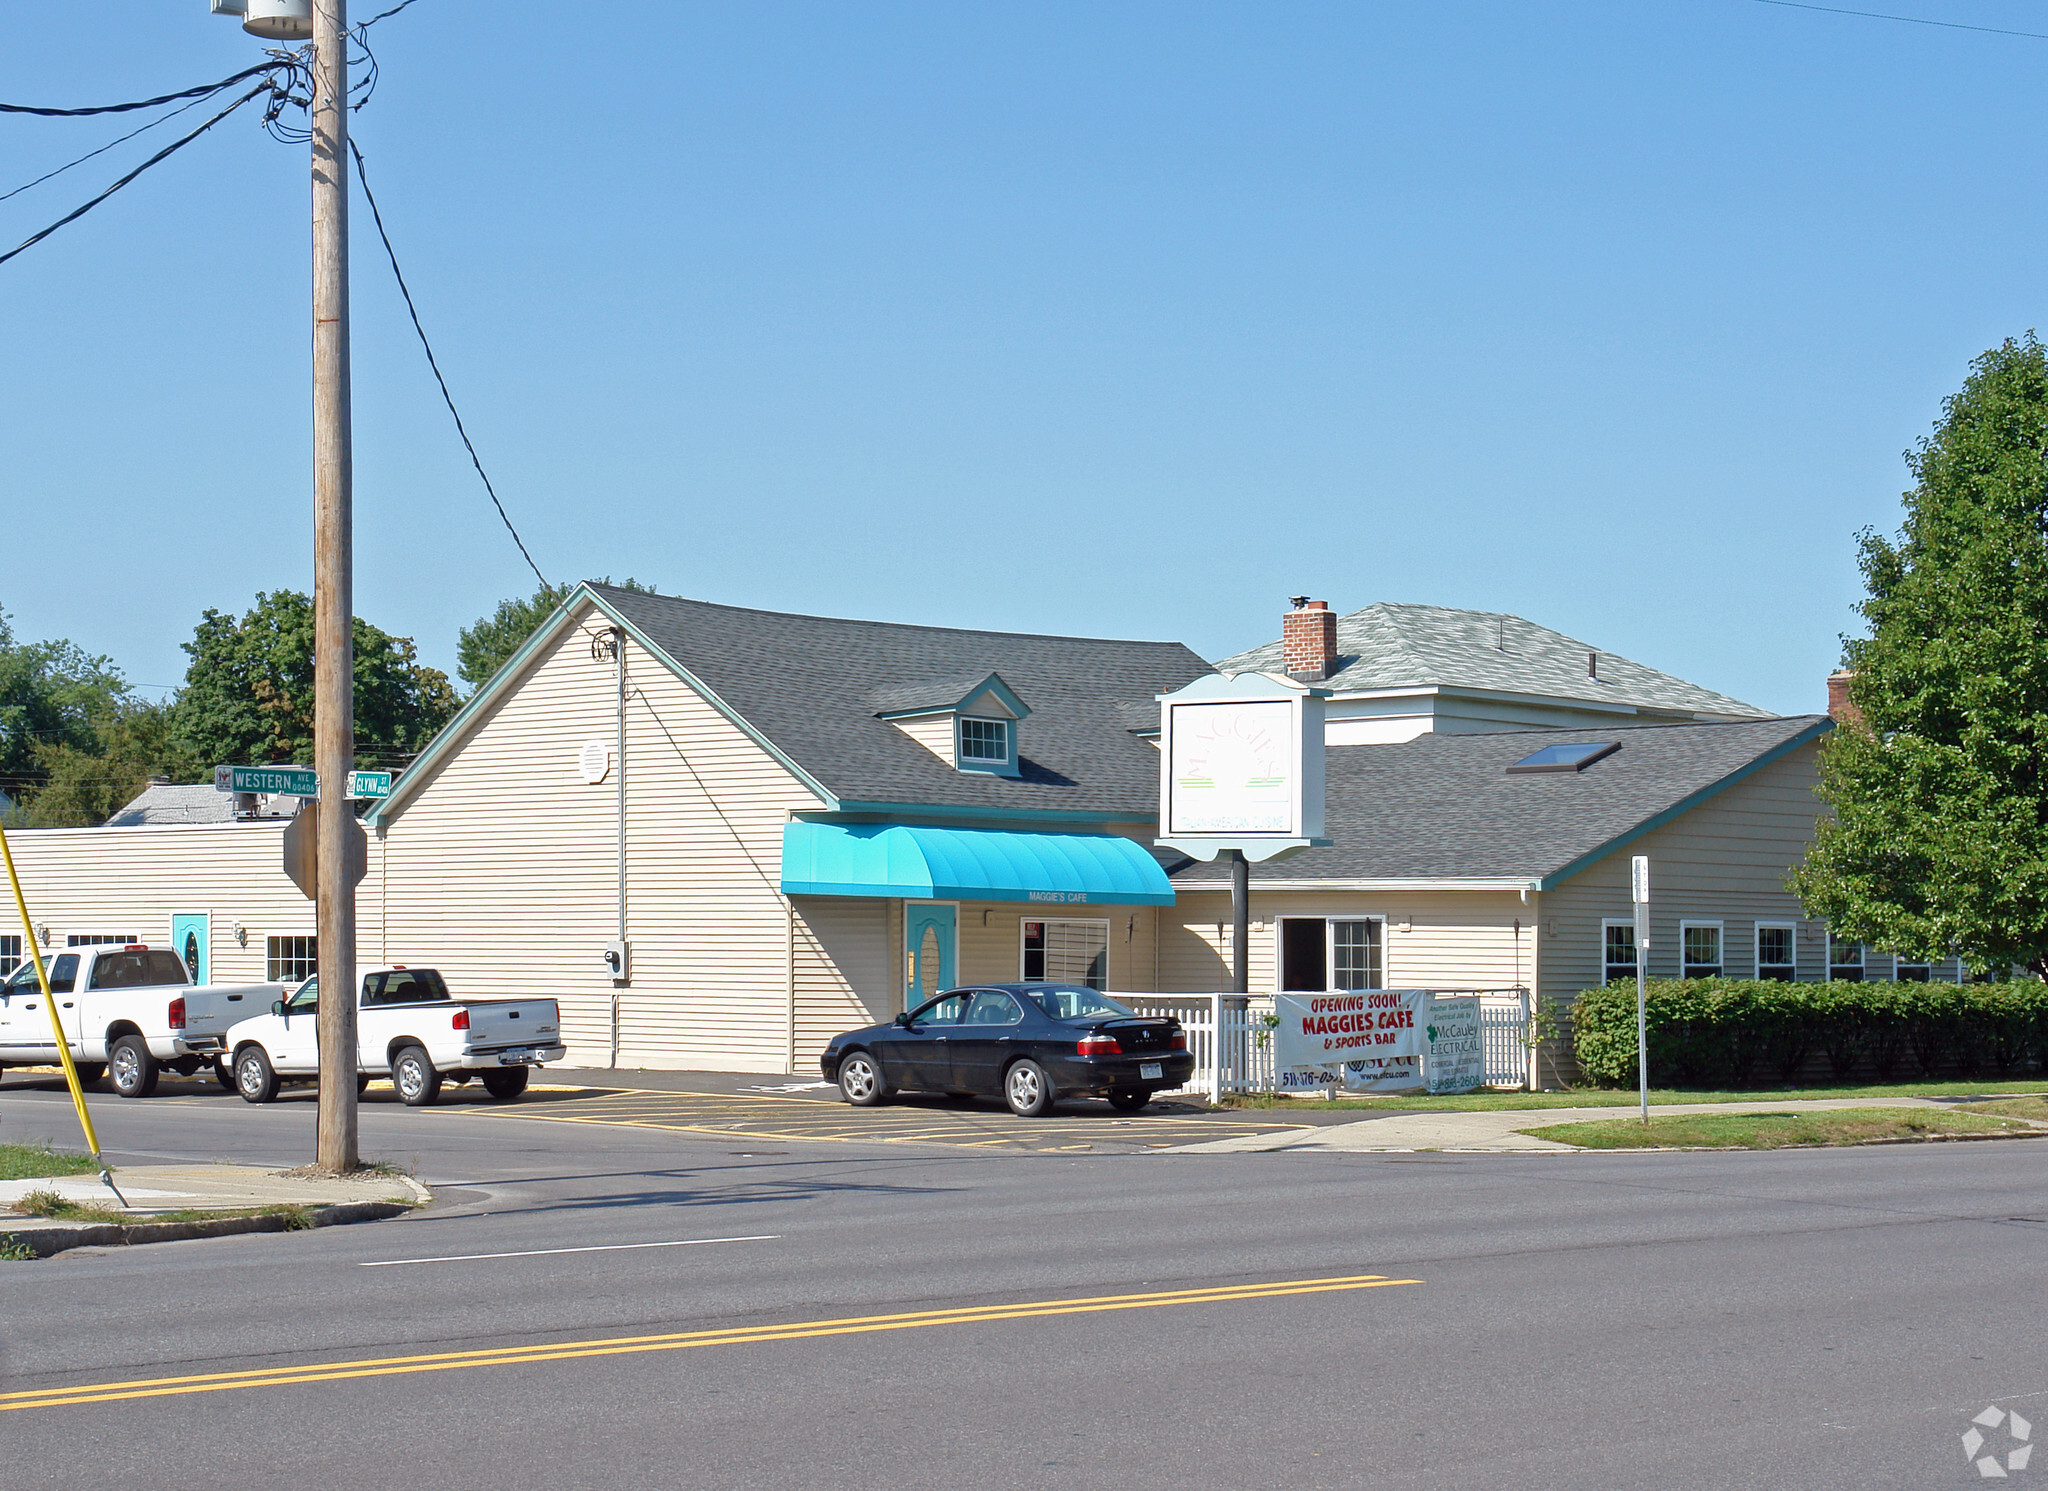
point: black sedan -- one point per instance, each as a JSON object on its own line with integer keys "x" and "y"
{"x": 1029, "y": 1043}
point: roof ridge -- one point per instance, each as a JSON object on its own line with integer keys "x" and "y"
{"x": 894, "y": 626}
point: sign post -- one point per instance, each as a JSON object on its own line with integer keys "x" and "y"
{"x": 1241, "y": 777}
{"x": 1639, "y": 885}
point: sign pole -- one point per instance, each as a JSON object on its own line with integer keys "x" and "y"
{"x": 1241, "y": 922}
{"x": 1639, "y": 884}
{"x": 333, "y": 583}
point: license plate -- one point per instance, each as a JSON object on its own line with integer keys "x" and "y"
{"x": 1150, "y": 1069}
{"x": 514, "y": 1058}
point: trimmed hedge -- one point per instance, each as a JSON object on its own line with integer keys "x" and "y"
{"x": 1715, "y": 1032}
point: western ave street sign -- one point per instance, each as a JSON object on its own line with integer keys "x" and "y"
{"x": 284, "y": 781}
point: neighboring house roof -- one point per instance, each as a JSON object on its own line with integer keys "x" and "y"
{"x": 1443, "y": 808}
{"x": 162, "y": 803}
{"x": 809, "y": 688}
{"x": 1392, "y": 646}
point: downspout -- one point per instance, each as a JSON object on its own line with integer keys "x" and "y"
{"x": 789, "y": 957}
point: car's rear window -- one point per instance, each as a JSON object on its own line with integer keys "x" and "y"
{"x": 404, "y": 986}
{"x": 144, "y": 970}
{"x": 1073, "y": 1001}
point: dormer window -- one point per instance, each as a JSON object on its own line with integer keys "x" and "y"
{"x": 969, "y": 723}
{"x": 984, "y": 742}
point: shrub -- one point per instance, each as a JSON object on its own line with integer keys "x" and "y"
{"x": 1731, "y": 1032}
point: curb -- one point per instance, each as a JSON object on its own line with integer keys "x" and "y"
{"x": 1751, "y": 1149}
{"x": 45, "y": 1242}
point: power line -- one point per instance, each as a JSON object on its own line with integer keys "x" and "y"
{"x": 163, "y": 119}
{"x": 145, "y": 103}
{"x": 73, "y": 216}
{"x": 392, "y": 254}
{"x": 1872, "y": 15}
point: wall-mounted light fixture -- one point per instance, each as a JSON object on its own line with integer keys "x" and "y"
{"x": 241, "y": 935}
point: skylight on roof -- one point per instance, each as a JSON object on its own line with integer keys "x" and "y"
{"x": 1564, "y": 757}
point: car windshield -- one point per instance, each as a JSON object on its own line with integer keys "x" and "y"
{"x": 1073, "y": 1002}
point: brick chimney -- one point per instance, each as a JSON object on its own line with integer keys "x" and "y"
{"x": 1840, "y": 709}
{"x": 1308, "y": 640}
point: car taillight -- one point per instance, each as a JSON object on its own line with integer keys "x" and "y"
{"x": 1098, "y": 1045}
{"x": 1180, "y": 1040}
{"x": 177, "y": 1020}
{"x": 461, "y": 1020}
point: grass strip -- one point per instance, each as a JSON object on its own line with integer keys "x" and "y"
{"x": 1611, "y": 1097}
{"x": 1772, "y": 1130}
{"x": 55, "y": 1208}
{"x": 2030, "y": 1107}
{"x": 32, "y": 1161}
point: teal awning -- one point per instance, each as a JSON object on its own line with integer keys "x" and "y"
{"x": 969, "y": 864}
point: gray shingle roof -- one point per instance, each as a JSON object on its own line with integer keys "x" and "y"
{"x": 1388, "y": 645}
{"x": 809, "y": 684}
{"x": 161, "y": 803}
{"x": 1442, "y": 807}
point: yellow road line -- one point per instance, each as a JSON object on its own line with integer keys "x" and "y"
{"x": 507, "y": 1356}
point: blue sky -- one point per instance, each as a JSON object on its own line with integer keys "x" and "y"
{"x": 1116, "y": 319}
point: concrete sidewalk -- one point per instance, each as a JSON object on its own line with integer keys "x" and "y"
{"x": 1494, "y": 1132}
{"x": 152, "y": 1190}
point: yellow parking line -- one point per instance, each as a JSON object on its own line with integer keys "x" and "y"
{"x": 506, "y": 1356}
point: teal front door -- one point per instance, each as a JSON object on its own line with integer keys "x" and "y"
{"x": 930, "y": 931}
{"x": 190, "y": 934}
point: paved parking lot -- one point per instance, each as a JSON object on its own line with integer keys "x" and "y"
{"x": 1078, "y": 1126}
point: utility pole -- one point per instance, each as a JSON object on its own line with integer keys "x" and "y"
{"x": 333, "y": 588}
{"x": 334, "y": 707}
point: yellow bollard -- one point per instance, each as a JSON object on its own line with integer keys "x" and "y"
{"x": 35, "y": 953}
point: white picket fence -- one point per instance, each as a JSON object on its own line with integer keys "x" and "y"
{"x": 1231, "y": 1037}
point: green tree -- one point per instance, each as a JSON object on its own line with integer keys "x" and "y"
{"x": 1939, "y": 836}
{"x": 481, "y": 650}
{"x": 51, "y": 693}
{"x": 248, "y": 695}
{"x": 82, "y": 786}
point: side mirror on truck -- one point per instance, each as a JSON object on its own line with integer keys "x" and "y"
{"x": 277, "y": 1006}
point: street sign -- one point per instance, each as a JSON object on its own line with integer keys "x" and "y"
{"x": 369, "y": 784}
{"x": 302, "y": 848}
{"x": 276, "y": 781}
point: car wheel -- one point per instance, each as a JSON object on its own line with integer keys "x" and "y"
{"x": 135, "y": 1070}
{"x": 413, "y": 1074}
{"x": 1028, "y": 1089}
{"x": 860, "y": 1081}
{"x": 90, "y": 1071}
{"x": 1129, "y": 1100}
{"x": 506, "y": 1083}
{"x": 255, "y": 1078}
{"x": 224, "y": 1072}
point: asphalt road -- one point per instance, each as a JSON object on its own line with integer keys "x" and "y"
{"x": 850, "y": 1312}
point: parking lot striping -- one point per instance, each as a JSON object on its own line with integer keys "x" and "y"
{"x": 686, "y": 1242}
{"x": 512, "y": 1356}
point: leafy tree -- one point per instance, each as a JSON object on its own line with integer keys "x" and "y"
{"x": 248, "y": 694}
{"x": 1939, "y": 837}
{"x": 50, "y": 695}
{"x": 481, "y": 650}
{"x": 83, "y": 786}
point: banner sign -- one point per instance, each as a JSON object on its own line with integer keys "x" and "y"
{"x": 1378, "y": 1040}
{"x": 1455, "y": 1060}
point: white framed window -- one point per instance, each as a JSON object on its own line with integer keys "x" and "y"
{"x": 986, "y": 742}
{"x": 98, "y": 939}
{"x": 1699, "y": 946}
{"x": 1845, "y": 961}
{"x": 290, "y": 960}
{"x": 10, "y": 954}
{"x": 1617, "y": 949}
{"x": 1911, "y": 973}
{"x": 1355, "y": 954}
{"x": 1064, "y": 952}
{"x": 1777, "y": 951}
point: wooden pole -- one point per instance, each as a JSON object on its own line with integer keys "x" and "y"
{"x": 333, "y": 582}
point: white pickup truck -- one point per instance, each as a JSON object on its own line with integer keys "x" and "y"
{"x": 126, "y": 1007}
{"x": 409, "y": 1026}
